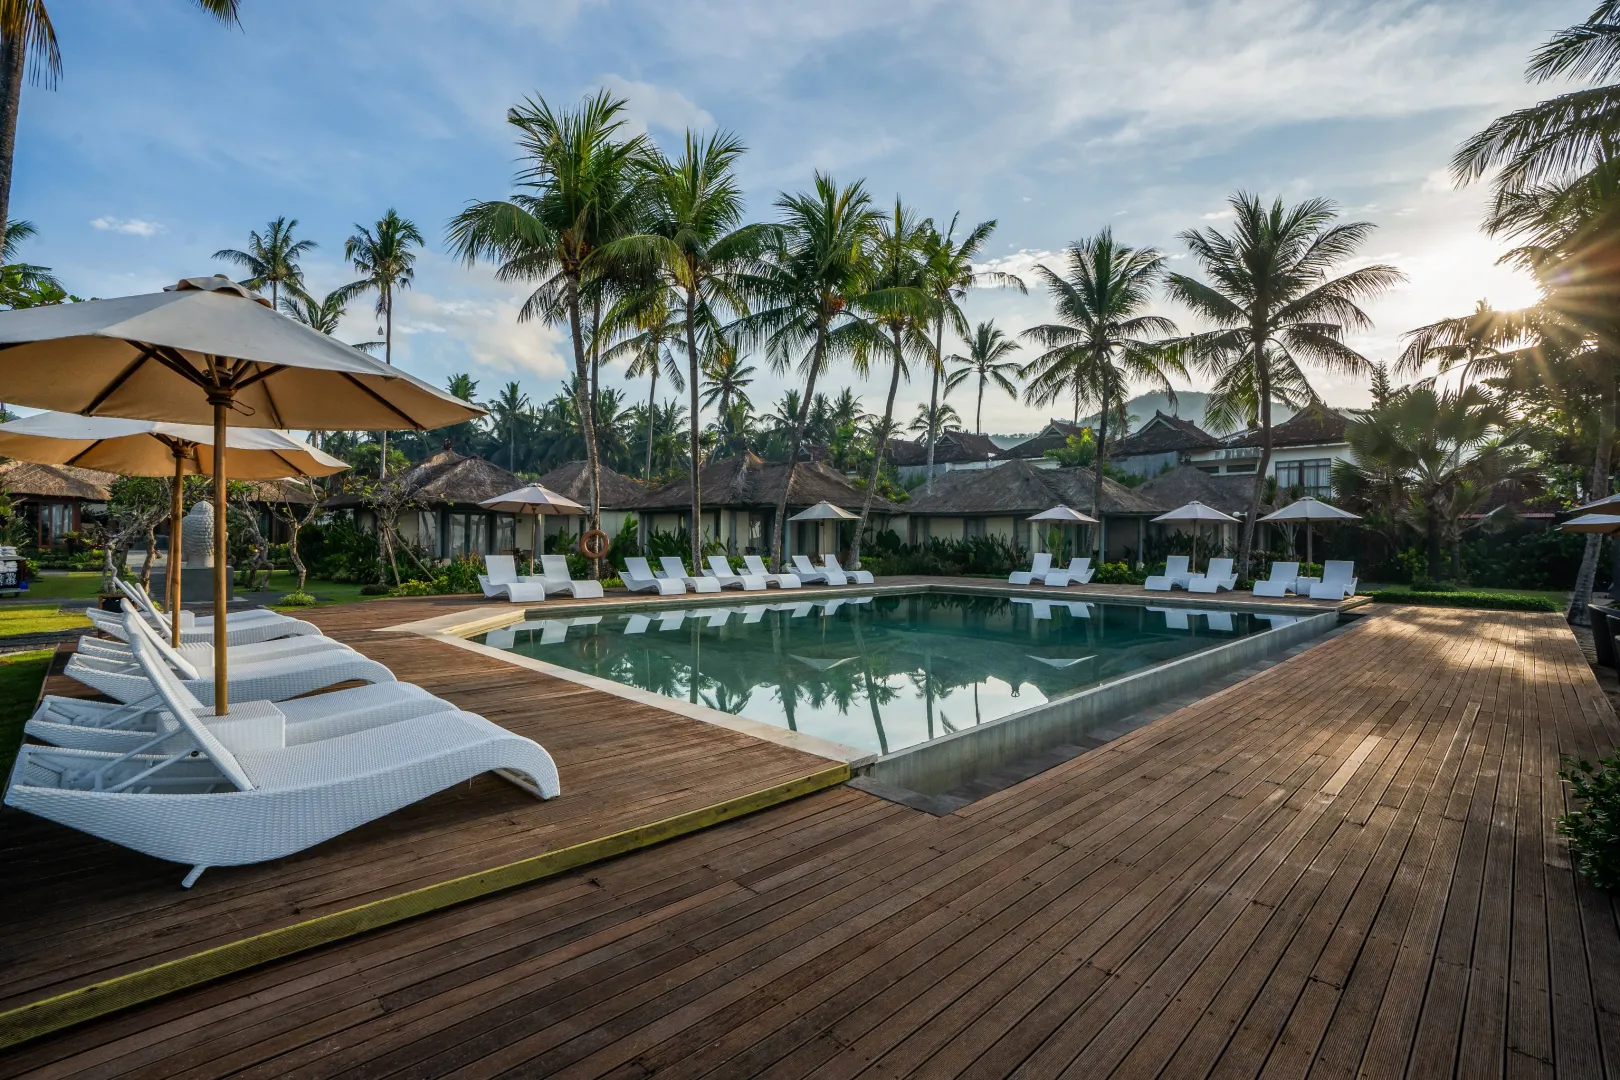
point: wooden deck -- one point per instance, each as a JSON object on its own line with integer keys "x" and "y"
{"x": 1343, "y": 866}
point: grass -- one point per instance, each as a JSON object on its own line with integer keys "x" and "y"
{"x": 15, "y": 621}
{"x": 1557, "y": 596}
{"x": 1553, "y": 600}
{"x": 74, "y": 585}
{"x": 20, "y": 677}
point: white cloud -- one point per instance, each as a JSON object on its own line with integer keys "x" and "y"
{"x": 648, "y": 106}
{"x": 128, "y": 226}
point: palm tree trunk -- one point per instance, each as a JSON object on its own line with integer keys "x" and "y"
{"x": 692, "y": 380}
{"x": 1597, "y": 489}
{"x": 12, "y": 55}
{"x": 877, "y": 455}
{"x": 587, "y": 419}
{"x": 1097, "y": 464}
{"x": 933, "y": 397}
{"x": 1431, "y": 540}
{"x": 1262, "y": 379}
{"x": 596, "y": 463}
{"x": 652, "y": 415}
{"x": 978, "y": 416}
{"x": 388, "y": 358}
{"x": 779, "y": 527}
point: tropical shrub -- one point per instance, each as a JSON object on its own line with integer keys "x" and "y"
{"x": 375, "y": 588}
{"x": 416, "y": 588}
{"x": 1459, "y": 598}
{"x": 348, "y": 553}
{"x": 981, "y": 555}
{"x": 1593, "y": 829}
{"x": 296, "y": 599}
{"x": 1119, "y": 573}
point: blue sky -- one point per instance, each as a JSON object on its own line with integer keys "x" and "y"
{"x": 170, "y": 137}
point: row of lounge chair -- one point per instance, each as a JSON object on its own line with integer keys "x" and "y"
{"x": 671, "y": 578}
{"x": 1338, "y": 580}
{"x": 157, "y": 771}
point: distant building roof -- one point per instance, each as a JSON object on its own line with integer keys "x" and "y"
{"x": 951, "y": 448}
{"x": 447, "y": 478}
{"x": 619, "y": 492}
{"x": 56, "y": 481}
{"x": 746, "y": 481}
{"x": 1178, "y": 487}
{"x": 1309, "y": 427}
{"x": 1164, "y": 434}
{"x": 1054, "y": 436}
{"x": 1019, "y": 488}
{"x": 279, "y": 491}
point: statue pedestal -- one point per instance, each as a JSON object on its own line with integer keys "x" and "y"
{"x": 196, "y": 584}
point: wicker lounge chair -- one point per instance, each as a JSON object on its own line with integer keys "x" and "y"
{"x": 241, "y": 627}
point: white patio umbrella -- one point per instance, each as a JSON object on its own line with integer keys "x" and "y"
{"x": 1607, "y": 503}
{"x": 151, "y": 448}
{"x": 1309, "y": 510}
{"x": 1605, "y": 524}
{"x": 1194, "y": 513}
{"x": 1063, "y": 515}
{"x": 824, "y": 511}
{"x": 208, "y": 350}
{"x": 538, "y": 501}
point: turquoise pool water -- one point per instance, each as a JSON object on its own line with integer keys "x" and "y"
{"x": 876, "y": 672}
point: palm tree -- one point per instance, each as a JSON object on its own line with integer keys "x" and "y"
{"x": 28, "y": 41}
{"x": 933, "y": 422}
{"x": 647, "y": 313}
{"x": 807, "y": 288}
{"x": 696, "y": 238}
{"x": 508, "y": 410}
{"x": 580, "y": 191}
{"x": 1271, "y": 296}
{"x": 986, "y": 358}
{"x": 272, "y": 259}
{"x": 326, "y": 313}
{"x": 386, "y": 263}
{"x": 1104, "y": 340}
{"x": 726, "y": 377}
{"x": 949, "y": 276}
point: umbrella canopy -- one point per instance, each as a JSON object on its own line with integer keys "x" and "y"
{"x": 823, "y": 511}
{"x": 1063, "y": 515}
{"x": 532, "y": 499}
{"x": 1309, "y": 509}
{"x": 163, "y": 356}
{"x": 1194, "y": 513}
{"x": 207, "y": 349}
{"x": 151, "y": 448}
{"x": 1609, "y": 501}
{"x": 1606, "y": 524}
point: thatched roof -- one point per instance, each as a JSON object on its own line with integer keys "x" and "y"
{"x": 952, "y": 447}
{"x": 55, "y": 481}
{"x": 1178, "y": 487}
{"x": 1020, "y": 489}
{"x": 1164, "y": 434}
{"x": 746, "y": 481}
{"x": 448, "y": 478}
{"x": 619, "y": 492}
{"x": 279, "y": 492}
{"x": 1309, "y": 427}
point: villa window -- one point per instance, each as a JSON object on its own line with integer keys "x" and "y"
{"x": 458, "y": 536}
{"x": 1313, "y": 476}
{"x": 973, "y": 528}
{"x": 427, "y": 532}
{"x": 505, "y": 532}
{"x": 477, "y": 534}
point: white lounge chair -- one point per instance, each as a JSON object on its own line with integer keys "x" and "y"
{"x": 273, "y": 679}
{"x": 1219, "y": 620}
{"x": 232, "y": 790}
{"x": 673, "y": 568}
{"x": 817, "y": 575}
{"x": 241, "y": 627}
{"x": 720, "y": 570}
{"x": 504, "y": 580}
{"x": 1217, "y": 575}
{"x": 1174, "y": 618}
{"x": 753, "y": 613}
{"x": 756, "y": 566}
{"x": 1039, "y": 567}
{"x": 797, "y": 611}
{"x": 829, "y": 563}
{"x": 1281, "y": 581}
{"x": 1176, "y": 575}
{"x": 1078, "y": 572}
{"x": 1080, "y": 610}
{"x": 1038, "y": 609}
{"x": 554, "y": 576}
{"x": 1338, "y": 581}
{"x": 639, "y": 577}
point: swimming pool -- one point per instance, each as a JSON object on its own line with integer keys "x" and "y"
{"x": 879, "y": 673}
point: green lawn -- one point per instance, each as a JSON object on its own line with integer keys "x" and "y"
{"x": 38, "y": 620}
{"x": 20, "y": 676}
{"x": 1559, "y": 596}
{"x": 73, "y": 585}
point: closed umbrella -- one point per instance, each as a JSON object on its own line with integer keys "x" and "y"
{"x": 1194, "y": 513}
{"x": 208, "y": 350}
{"x": 1063, "y": 515}
{"x": 1309, "y": 510}
{"x": 538, "y": 501}
{"x": 824, "y": 511}
{"x": 151, "y": 448}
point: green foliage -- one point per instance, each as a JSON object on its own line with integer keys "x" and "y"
{"x": 414, "y": 587}
{"x": 1593, "y": 830}
{"x": 1493, "y": 601}
{"x": 1119, "y": 573}
{"x": 982, "y": 555}
{"x": 375, "y": 588}
{"x": 348, "y": 553}
{"x": 297, "y": 599}
{"x": 1077, "y": 450}
{"x": 460, "y": 575}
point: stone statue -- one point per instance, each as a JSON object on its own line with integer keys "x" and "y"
{"x": 197, "y": 536}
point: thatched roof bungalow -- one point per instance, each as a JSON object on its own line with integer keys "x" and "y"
{"x": 996, "y": 502}
{"x": 54, "y": 499}
{"x": 446, "y": 519}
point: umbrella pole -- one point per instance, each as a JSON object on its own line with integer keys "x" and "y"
{"x": 221, "y": 696}
{"x": 1307, "y": 548}
{"x": 534, "y": 542}
{"x": 177, "y": 504}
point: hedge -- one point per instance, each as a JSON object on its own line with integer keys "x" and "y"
{"x": 1495, "y": 601}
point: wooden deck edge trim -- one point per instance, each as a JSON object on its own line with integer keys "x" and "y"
{"x": 49, "y": 1015}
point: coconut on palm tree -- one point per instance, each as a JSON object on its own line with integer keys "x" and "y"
{"x": 271, "y": 259}
{"x": 805, "y": 297}
{"x": 579, "y": 189}
{"x": 987, "y": 361}
{"x": 1105, "y": 339}
{"x": 1271, "y": 296}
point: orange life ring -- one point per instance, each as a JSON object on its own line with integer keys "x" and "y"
{"x": 594, "y": 544}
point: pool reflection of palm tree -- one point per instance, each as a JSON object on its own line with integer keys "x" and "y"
{"x": 874, "y": 689}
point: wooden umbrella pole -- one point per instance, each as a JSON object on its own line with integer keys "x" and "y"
{"x": 177, "y": 502}
{"x": 221, "y": 412}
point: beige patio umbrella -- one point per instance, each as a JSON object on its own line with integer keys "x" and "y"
{"x": 1309, "y": 510}
{"x": 537, "y": 500}
{"x": 1064, "y": 515}
{"x": 151, "y": 448}
{"x": 1195, "y": 513}
{"x": 824, "y": 511}
{"x": 1604, "y": 524}
{"x": 208, "y": 350}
